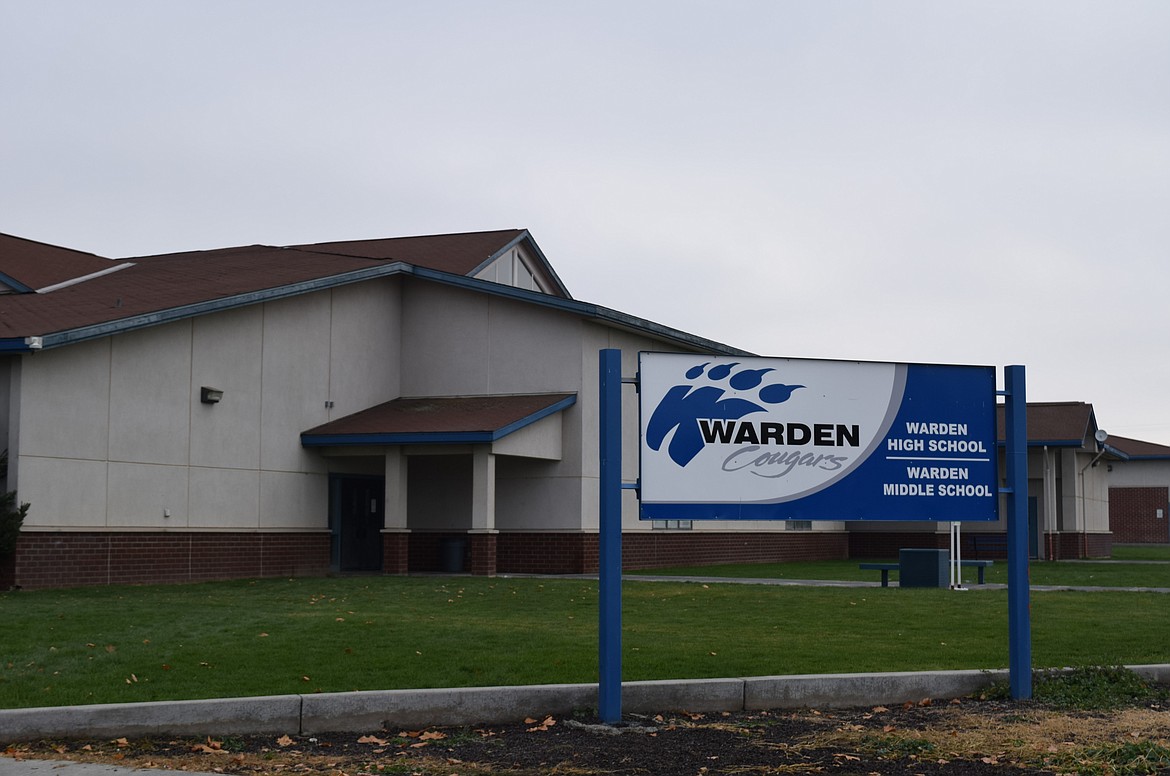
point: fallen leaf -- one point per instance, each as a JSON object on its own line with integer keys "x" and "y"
{"x": 432, "y": 735}
{"x": 284, "y": 741}
{"x": 879, "y": 709}
{"x": 121, "y": 742}
{"x": 372, "y": 740}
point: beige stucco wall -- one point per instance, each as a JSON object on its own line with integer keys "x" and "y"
{"x": 461, "y": 343}
{"x": 135, "y": 448}
{"x": 1139, "y": 474}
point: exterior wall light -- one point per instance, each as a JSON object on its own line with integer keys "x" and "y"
{"x": 210, "y": 395}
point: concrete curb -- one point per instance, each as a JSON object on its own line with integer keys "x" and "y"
{"x": 372, "y": 710}
{"x": 257, "y": 715}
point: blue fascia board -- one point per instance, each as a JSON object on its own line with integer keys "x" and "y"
{"x": 551, "y": 409}
{"x": 435, "y": 437}
{"x": 624, "y": 320}
{"x": 15, "y": 284}
{"x": 131, "y": 323}
{"x": 588, "y": 310}
{"x": 1118, "y": 453}
{"x": 14, "y": 345}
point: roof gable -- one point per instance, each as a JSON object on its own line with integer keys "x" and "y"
{"x": 153, "y": 290}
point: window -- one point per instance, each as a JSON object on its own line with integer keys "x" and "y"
{"x": 799, "y": 525}
{"x": 672, "y": 525}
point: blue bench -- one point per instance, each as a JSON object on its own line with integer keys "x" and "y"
{"x": 886, "y": 568}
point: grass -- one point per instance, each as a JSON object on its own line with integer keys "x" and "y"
{"x": 1141, "y": 552}
{"x": 268, "y": 637}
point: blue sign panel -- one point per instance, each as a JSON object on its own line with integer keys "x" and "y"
{"x": 800, "y": 439}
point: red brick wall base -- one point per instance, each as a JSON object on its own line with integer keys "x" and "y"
{"x": 540, "y": 553}
{"x": 1133, "y": 515}
{"x": 57, "y": 559}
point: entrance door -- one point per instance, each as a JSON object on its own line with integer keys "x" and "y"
{"x": 358, "y": 514}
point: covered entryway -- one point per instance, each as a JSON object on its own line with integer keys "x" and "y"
{"x": 440, "y": 482}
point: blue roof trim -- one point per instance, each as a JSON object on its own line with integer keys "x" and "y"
{"x": 216, "y": 305}
{"x": 587, "y": 309}
{"x": 15, "y": 284}
{"x": 14, "y": 345}
{"x": 435, "y": 437}
{"x": 614, "y": 317}
{"x": 1123, "y": 455}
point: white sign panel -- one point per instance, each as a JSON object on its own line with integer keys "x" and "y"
{"x": 801, "y": 439}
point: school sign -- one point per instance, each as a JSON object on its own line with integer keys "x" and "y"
{"x": 802, "y": 439}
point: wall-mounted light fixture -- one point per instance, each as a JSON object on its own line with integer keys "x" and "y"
{"x": 210, "y": 395}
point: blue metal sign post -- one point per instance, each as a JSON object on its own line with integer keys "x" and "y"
{"x": 609, "y": 688}
{"x": 1019, "y": 608}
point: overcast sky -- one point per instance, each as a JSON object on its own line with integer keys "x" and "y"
{"x": 956, "y": 182}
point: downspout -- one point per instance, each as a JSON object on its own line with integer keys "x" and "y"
{"x": 1049, "y": 529}
{"x": 1084, "y": 516}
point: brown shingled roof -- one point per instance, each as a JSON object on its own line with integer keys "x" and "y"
{"x": 466, "y": 418}
{"x": 153, "y": 284}
{"x": 459, "y": 254}
{"x": 37, "y": 265}
{"x": 1056, "y": 423}
{"x": 1136, "y": 448}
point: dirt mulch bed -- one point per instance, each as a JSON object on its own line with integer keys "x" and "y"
{"x": 956, "y": 737}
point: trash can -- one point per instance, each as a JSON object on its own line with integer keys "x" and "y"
{"x": 923, "y": 568}
{"x": 451, "y": 554}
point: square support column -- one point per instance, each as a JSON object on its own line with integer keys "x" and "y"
{"x": 483, "y": 512}
{"x": 483, "y": 490}
{"x": 395, "y": 534}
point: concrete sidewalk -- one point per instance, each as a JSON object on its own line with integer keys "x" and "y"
{"x": 374, "y": 710}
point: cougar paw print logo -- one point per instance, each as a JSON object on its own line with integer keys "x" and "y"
{"x": 683, "y": 405}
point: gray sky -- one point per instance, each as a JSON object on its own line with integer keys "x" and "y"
{"x": 959, "y": 182}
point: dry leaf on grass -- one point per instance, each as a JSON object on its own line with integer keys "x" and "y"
{"x": 373, "y": 740}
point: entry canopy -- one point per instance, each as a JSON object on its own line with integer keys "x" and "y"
{"x": 801, "y": 439}
{"x": 440, "y": 420}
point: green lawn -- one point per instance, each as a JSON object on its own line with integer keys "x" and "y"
{"x": 1141, "y": 552}
{"x": 117, "y": 644}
